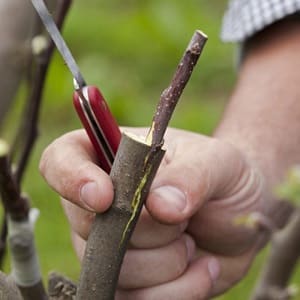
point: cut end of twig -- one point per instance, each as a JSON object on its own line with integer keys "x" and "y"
{"x": 197, "y": 42}
{"x": 4, "y": 148}
{"x": 172, "y": 93}
{"x": 138, "y": 138}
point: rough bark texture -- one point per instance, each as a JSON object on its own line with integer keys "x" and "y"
{"x": 8, "y": 289}
{"x": 132, "y": 173}
{"x": 61, "y": 288}
{"x": 285, "y": 252}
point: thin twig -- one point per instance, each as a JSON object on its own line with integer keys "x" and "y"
{"x": 15, "y": 205}
{"x": 171, "y": 95}
{"x": 3, "y": 235}
{"x": 29, "y": 127}
{"x": 285, "y": 253}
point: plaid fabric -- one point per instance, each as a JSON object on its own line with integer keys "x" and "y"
{"x": 243, "y": 18}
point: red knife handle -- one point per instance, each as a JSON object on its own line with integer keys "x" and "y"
{"x": 99, "y": 124}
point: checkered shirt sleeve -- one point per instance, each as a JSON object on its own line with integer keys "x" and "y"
{"x": 244, "y": 18}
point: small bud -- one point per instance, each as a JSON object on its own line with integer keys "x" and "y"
{"x": 289, "y": 189}
{"x": 4, "y": 148}
{"x": 249, "y": 221}
{"x": 292, "y": 290}
{"x": 255, "y": 220}
{"x": 39, "y": 44}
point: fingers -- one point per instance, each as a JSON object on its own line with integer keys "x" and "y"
{"x": 165, "y": 273}
{"x": 149, "y": 267}
{"x": 196, "y": 283}
{"x": 197, "y": 169}
{"x": 148, "y": 233}
{"x": 80, "y": 219}
{"x": 68, "y": 165}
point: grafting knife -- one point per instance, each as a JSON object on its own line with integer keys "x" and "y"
{"x": 89, "y": 103}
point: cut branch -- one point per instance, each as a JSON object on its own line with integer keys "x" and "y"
{"x": 25, "y": 266}
{"x": 171, "y": 94}
{"x": 132, "y": 173}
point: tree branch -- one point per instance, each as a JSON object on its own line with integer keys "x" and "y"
{"x": 25, "y": 266}
{"x": 172, "y": 93}
{"x": 285, "y": 252}
{"x": 132, "y": 173}
{"x": 16, "y": 29}
{"x": 8, "y": 288}
{"x": 28, "y": 131}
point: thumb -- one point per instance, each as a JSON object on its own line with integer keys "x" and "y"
{"x": 196, "y": 171}
{"x": 68, "y": 165}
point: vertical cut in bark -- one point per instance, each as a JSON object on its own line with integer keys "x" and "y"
{"x": 132, "y": 174}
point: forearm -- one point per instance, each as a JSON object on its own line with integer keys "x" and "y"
{"x": 263, "y": 116}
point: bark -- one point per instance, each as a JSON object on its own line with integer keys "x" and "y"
{"x": 8, "y": 288}
{"x": 60, "y": 287}
{"x": 25, "y": 266}
{"x": 28, "y": 131}
{"x": 18, "y": 25}
{"x": 132, "y": 173}
{"x": 172, "y": 93}
{"x": 16, "y": 30}
{"x": 285, "y": 252}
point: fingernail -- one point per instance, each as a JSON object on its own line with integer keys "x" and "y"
{"x": 190, "y": 247}
{"x": 172, "y": 196}
{"x": 214, "y": 269}
{"x": 89, "y": 195}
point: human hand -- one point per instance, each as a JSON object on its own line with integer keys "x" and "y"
{"x": 186, "y": 245}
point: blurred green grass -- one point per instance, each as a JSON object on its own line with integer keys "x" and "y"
{"x": 129, "y": 49}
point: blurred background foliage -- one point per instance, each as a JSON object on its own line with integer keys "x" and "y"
{"x": 130, "y": 50}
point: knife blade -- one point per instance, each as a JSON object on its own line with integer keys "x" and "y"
{"x": 60, "y": 43}
{"x": 89, "y": 103}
